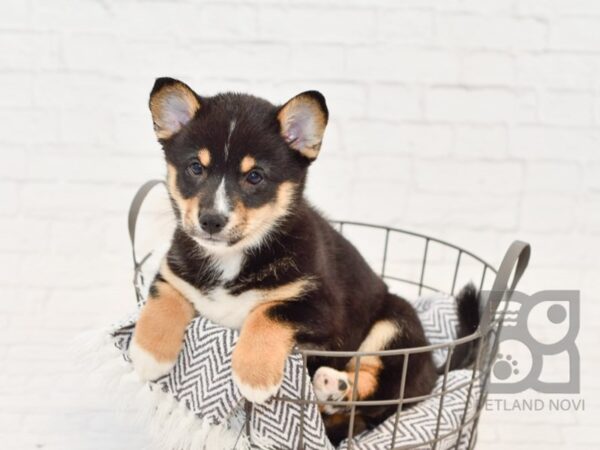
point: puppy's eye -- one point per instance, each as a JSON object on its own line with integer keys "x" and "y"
{"x": 195, "y": 168}
{"x": 254, "y": 177}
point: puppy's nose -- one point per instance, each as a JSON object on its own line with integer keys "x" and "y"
{"x": 212, "y": 223}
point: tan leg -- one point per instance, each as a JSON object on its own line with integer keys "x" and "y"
{"x": 259, "y": 356}
{"x": 159, "y": 332}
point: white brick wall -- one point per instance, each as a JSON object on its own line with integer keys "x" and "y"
{"x": 474, "y": 120}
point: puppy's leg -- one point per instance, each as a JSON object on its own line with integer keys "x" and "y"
{"x": 332, "y": 384}
{"x": 159, "y": 332}
{"x": 259, "y": 356}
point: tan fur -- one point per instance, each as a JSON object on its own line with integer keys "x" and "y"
{"x": 204, "y": 157}
{"x": 248, "y": 222}
{"x": 262, "y": 348}
{"x": 288, "y": 291}
{"x": 315, "y": 135}
{"x": 379, "y": 337}
{"x": 189, "y": 207}
{"x": 159, "y": 102}
{"x": 366, "y": 380}
{"x": 163, "y": 320}
{"x": 248, "y": 162}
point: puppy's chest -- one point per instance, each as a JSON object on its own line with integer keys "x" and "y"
{"x": 218, "y": 301}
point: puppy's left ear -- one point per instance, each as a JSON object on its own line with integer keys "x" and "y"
{"x": 303, "y": 120}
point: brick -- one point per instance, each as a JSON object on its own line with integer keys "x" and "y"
{"x": 317, "y": 62}
{"x": 24, "y": 50}
{"x": 405, "y": 25}
{"x": 558, "y": 143}
{"x": 481, "y": 141}
{"x": 69, "y": 90}
{"x": 548, "y": 70}
{"x": 98, "y": 52}
{"x": 547, "y": 213}
{"x": 592, "y": 176}
{"x": 482, "y": 105}
{"x": 9, "y": 198}
{"x": 488, "y": 68}
{"x": 16, "y": 13}
{"x": 302, "y": 24}
{"x": 15, "y": 90}
{"x": 567, "y": 108}
{"x": 496, "y": 178}
{"x": 473, "y": 211}
{"x": 556, "y": 177}
{"x": 490, "y": 32}
{"x": 68, "y": 14}
{"x": 27, "y": 126}
{"x": 394, "y": 102}
{"x": 403, "y": 64}
{"x": 379, "y": 137}
{"x": 574, "y": 33}
{"x": 250, "y": 61}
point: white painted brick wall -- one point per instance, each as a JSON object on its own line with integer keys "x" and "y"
{"x": 474, "y": 120}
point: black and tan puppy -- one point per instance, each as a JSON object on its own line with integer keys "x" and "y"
{"x": 250, "y": 253}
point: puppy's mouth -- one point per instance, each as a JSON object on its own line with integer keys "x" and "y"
{"x": 211, "y": 238}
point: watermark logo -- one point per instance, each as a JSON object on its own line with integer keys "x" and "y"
{"x": 537, "y": 348}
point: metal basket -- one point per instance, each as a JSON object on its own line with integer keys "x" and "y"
{"x": 515, "y": 261}
{"x": 451, "y": 263}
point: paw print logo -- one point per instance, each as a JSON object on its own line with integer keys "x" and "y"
{"x": 505, "y": 367}
{"x": 538, "y": 328}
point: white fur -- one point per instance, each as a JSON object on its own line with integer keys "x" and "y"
{"x": 229, "y": 263}
{"x": 218, "y": 305}
{"x": 146, "y": 366}
{"x": 380, "y": 335}
{"x": 325, "y": 385}
{"x": 255, "y": 395}
{"x": 221, "y": 201}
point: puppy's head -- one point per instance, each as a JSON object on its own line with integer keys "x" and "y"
{"x": 236, "y": 164}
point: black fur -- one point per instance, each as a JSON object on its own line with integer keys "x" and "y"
{"x": 467, "y": 304}
{"x": 345, "y": 297}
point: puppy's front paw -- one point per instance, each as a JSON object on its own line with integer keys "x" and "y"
{"x": 330, "y": 385}
{"x": 257, "y": 374}
{"x": 146, "y": 365}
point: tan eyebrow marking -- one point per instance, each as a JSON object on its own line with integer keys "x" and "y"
{"x": 247, "y": 163}
{"x": 204, "y": 157}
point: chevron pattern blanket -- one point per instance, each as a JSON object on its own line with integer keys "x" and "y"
{"x": 200, "y": 388}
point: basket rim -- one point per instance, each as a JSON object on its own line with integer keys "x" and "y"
{"x": 416, "y": 234}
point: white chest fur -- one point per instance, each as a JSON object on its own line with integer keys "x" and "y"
{"x": 218, "y": 305}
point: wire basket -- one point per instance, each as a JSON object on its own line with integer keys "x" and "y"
{"x": 411, "y": 264}
{"x": 457, "y": 263}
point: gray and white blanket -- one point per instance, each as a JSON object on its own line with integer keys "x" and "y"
{"x": 200, "y": 390}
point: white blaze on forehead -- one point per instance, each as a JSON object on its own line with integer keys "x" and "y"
{"x": 221, "y": 201}
{"x": 229, "y": 133}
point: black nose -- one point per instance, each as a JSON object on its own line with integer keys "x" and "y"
{"x": 212, "y": 223}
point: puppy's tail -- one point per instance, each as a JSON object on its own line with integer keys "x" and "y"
{"x": 467, "y": 306}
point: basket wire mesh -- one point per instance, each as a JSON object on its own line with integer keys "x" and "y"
{"x": 502, "y": 282}
{"x": 486, "y": 335}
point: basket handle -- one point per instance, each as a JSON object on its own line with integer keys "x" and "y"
{"x": 134, "y": 212}
{"x": 517, "y": 258}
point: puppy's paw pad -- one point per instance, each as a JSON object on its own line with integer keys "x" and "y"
{"x": 146, "y": 365}
{"x": 255, "y": 394}
{"x": 330, "y": 384}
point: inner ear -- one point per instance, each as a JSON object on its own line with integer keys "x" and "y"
{"x": 303, "y": 120}
{"x": 172, "y": 104}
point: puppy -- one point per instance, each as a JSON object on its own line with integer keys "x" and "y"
{"x": 249, "y": 252}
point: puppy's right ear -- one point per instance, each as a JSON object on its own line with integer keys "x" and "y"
{"x": 172, "y": 104}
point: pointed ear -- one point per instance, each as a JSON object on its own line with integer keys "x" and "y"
{"x": 172, "y": 104}
{"x": 303, "y": 120}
